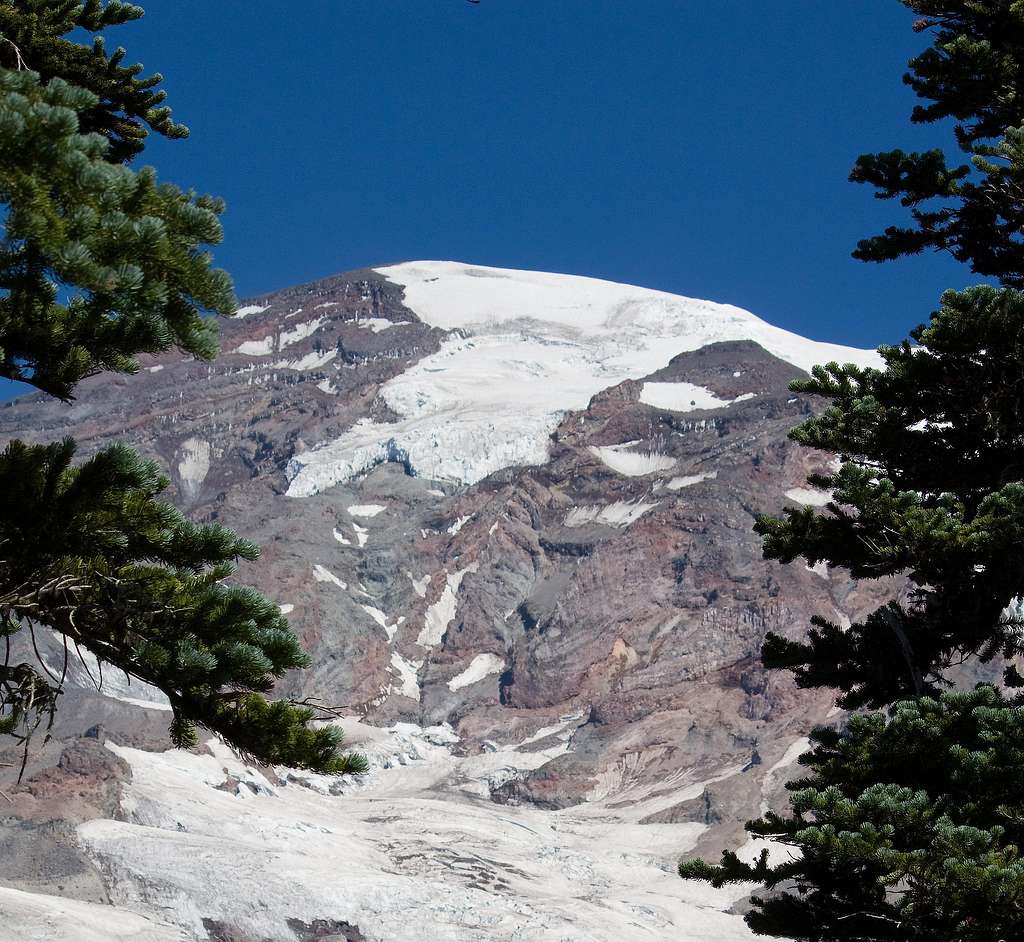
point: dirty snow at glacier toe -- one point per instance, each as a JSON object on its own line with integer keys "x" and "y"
{"x": 413, "y": 852}
{"x": 529, "y": 347}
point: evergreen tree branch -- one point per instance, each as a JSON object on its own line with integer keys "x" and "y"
{"x": 143, "y": 590}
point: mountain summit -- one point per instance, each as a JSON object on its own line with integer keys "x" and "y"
{"x": 523, "y": 349}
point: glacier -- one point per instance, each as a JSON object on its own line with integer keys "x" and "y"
{"x": 526, "y": 348}
{"x": 414, "y": 851}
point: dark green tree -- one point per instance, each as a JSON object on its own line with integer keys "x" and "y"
{"x": 908, "y": 824}
{"x": 100, "y": 263}
{"x": 907, "y": 829}
{"x": 973, "y": 207}
{"x": 881, "y": 829}
{"x": 34, "y": 35}
{"x": 931, "y": 487}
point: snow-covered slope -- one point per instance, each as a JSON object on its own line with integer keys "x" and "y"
{"x": 43, "y": 918}
{"x": 456, "y": 295}
{"x": 409, "y": 854}
{"x": 526, "y": 348}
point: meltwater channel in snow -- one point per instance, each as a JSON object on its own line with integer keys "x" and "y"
{"x": 530, "y": 347}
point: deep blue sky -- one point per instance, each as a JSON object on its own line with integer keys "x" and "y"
{"x": 700, "y": 148}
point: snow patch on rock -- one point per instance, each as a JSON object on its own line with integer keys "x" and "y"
{"x": 366, "y": 510}
{"x": 564, "y": 729}
{"x": 381, "y": 619}
{"x": 257, "y": 348}
{"x": 773, "y": 779}
{"x": 483, "y": 665}
{"x": 377, "y": 324}
{"x": 362, "y": 534}
{"x": 311, "y": 361}
{"x": 820, "y": 568}
{"x": 193, "y": 465}
{"x": 250, "y": 309}
{"x": 85, "y": 671}
{"x": 322, "y": 574}
{"x": 680, "y": 397}
{"x": 677, "y": 484}
{"x": 300, "y": 332}
{"x": 269, "y": 344}
{"x": 619, "y": 514}
{"x": 408, "y": 675}
{"x": 621, "y": 459}
{"x": 441, "y": 614}
{"x": 809, "y": 496}
{"x": 419, "y": 586}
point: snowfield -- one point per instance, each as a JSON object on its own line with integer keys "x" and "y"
{"x": 619, "y": 514}
{"x": 414, "y": 852}
{"x": 250, "y": 309}
{"x": 84, "y": 670}
{"x": 483, "y": 665}
{"x": 688, "y": 480}
{"x": 809, "y": 496}
{"x": 366, "y": 510}
{"x": 270, "y": 344}
{"x": 38, "y": 916}
{"x": 681, "y": 397}
{"x": 531, "y": 346}
{"x": 441, "y": 614}
{"x": 633, "y": 464}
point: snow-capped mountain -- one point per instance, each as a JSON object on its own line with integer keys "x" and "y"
{"x": 524, "y": 348}
{"x": 509, "y": 513}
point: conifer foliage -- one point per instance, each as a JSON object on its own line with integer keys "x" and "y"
{"x": 907, "y": 824}
{"x": 972, "y": 74}
{"x": 100, "y": 263}
{"x": 908, "y": 827}
{"x": 931, "y": 487}
{"x": 131, "y": 249}
{"x": 126, "y": 105}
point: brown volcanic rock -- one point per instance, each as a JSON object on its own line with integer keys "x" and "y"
{"x": 217, "y": 425}
{"x": 653, "y": 628}
{"x": 66, "y": 783}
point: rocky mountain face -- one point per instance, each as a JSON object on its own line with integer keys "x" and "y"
{"x": 510, "y": 516}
